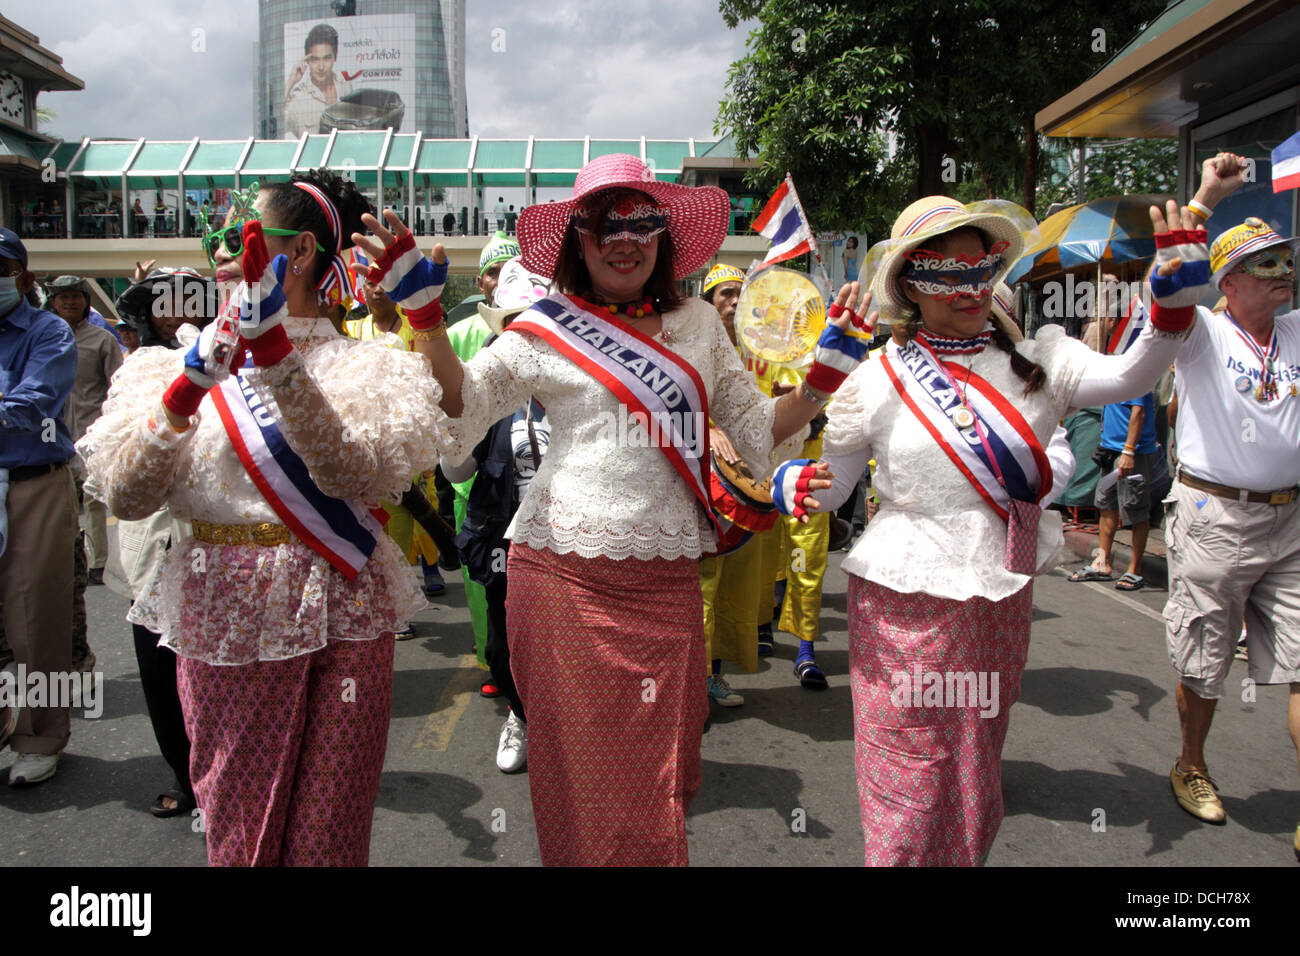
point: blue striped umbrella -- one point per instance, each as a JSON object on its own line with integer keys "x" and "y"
{"x": 1110, "y": 230}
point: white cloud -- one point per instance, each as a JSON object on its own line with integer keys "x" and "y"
{"x": 582, "y": 68}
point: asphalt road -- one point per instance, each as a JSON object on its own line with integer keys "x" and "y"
{"x": 1085, "y": 776}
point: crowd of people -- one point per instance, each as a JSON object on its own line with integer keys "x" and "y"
{"x": 279, "y": 467}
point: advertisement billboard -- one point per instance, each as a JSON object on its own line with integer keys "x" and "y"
{"x": 349, "y": 73}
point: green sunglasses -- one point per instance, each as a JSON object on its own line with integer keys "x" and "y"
{"x": 232, "y": 237}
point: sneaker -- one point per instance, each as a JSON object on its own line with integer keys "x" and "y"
{"x": 1241, "y": 652}
{"x": 488, "y": 689}
{"x": 30, "y": 769}
{"x": 766, "y": 645}
{"x": 406, "y": 633}
{"x": 95, "y": 576}
{"x": 720, "y": 691}
{"x": 1196, "y": 794}
{"x": 512, "y": 748}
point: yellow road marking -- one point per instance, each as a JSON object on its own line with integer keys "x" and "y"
{"x": 453, "y": 700}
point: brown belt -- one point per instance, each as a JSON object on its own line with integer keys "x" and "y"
{"x": 1284, "y": 497}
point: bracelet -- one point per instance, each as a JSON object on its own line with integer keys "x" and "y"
{"x": 1129, "y": 450}
{"x": 812, "y": 395}
{"x": 1199, "y": 209}
{"x": 429, "y": 335}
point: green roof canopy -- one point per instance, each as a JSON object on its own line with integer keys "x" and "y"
{"x": 399, "y": 158}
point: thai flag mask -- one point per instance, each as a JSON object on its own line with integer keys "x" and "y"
{"x": 949, "y": 277}
{"x": 631, "y": 219}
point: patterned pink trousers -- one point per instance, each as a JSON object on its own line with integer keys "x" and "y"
{"x": 608, "y": 657}
{"x": 286, "y": 755}
{"x": 933, "y": 684}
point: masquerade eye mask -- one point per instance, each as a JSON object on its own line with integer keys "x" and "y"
{"x": 1276, "y": 263}
{"x": 632, "y": 219}
{"x": 951, "y": 276}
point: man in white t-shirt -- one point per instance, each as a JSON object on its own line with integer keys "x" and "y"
{"x": 1233, "y": 527}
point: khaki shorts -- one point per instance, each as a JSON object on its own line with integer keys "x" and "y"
{"x": 1228, "y": 562}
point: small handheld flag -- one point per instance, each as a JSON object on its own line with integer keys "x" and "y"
{"x": 1286, "y": 165}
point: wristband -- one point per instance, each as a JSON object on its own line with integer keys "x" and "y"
{"x": 1129, "y": 450}
{"x": 1200, "y": 209}
{"x": 425, "y": 317}
{"x": 183, "y": 396}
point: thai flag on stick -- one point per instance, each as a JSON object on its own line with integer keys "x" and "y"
{"x": 1286, "y": 165}
{"x": 783, "y": 221}
{"x": 360, "y": 266}
{"x": 1128, "y": 328}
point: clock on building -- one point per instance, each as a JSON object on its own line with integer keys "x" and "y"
{"x": 11, "y": 99}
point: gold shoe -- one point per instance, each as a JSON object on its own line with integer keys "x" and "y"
{"x": 1297, "y": 843}
{"x": 1196, "y": 794}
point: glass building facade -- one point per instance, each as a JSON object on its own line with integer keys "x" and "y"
{"x": 433, "y": 60}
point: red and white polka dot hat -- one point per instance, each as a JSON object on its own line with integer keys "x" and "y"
{"x": 697, "y": 215}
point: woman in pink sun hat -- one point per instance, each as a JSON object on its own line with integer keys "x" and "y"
{"x": 604, "y": 608}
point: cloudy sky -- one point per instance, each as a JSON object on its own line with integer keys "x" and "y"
{"x": 572, "y": 68}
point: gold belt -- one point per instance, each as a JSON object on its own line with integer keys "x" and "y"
{"x": 268, "y": 534}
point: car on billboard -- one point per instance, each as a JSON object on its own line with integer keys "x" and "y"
{"x": 364, "y": 109}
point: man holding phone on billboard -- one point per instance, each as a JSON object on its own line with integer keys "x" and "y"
{"x": 313, "y": 86}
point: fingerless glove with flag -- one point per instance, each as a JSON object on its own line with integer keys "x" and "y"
{"x": 839, "y": 351}
{"x": 790, "y": 486}
{"x": 1176, "y": 295}
{"x": 262, "y": 306}
{"x": 412, "y": 281}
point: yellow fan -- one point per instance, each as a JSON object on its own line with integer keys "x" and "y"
{"x": 780, "y": 315}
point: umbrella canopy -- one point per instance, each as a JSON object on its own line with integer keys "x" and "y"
{"x": 1111, "y": 230}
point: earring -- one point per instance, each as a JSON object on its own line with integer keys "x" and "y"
{"x": 297, "y": 270}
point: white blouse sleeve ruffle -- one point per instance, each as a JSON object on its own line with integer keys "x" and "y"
{"x": 133, "y": 468}
{"x": 386, "y": 404}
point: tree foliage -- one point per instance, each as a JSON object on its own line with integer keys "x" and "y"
{"x": 872, "y": 103}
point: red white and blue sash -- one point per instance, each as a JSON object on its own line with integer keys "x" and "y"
{"x": 344, "y": 533}
{"x": 1017, "y": 453}
{"x": 647, "y": 378}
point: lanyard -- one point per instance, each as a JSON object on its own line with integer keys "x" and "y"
{"x": 1267, "y": 357}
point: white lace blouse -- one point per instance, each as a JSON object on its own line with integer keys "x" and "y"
{"x": 598, "y": 494}
{"x": 934, "y": 533}
{"x": 364, "y": 418}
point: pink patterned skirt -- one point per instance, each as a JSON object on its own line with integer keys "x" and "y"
{"x": 933, "y": 684}
{"x": 286, "y": 756}
{"x": 608, "y": 657}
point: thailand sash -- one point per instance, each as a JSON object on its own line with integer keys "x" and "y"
{"x": 344, "y": 533}
{"x": 661, "y": 390}
{"x": 991, "y": 440}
